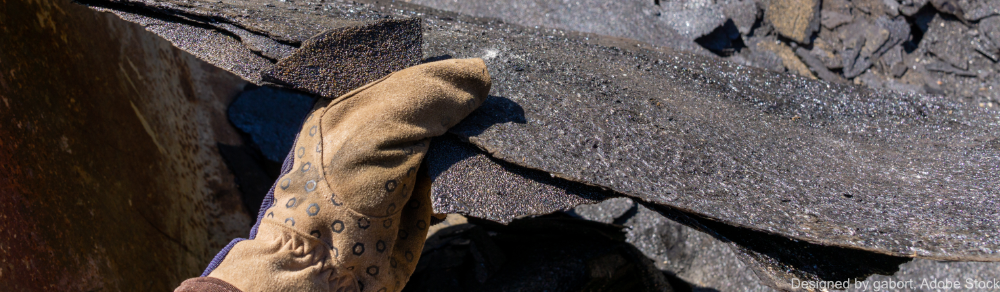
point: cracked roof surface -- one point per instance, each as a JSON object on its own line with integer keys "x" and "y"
{"x": 903, "y": 175}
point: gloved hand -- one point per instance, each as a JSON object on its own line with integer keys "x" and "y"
{"x": 342, "y": 217}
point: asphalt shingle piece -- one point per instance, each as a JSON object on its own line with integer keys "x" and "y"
{"x": 340, "y": 60}
{"x": 213, "y": 46}
{"x": 830, "y": 164}
{"x": 794, "y": 19}
{"x": 467, "y": 181}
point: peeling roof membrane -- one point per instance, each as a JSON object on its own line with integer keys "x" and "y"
{"x": 902, "y": 175}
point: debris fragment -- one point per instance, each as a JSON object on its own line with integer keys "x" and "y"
{"x": 788, "y": 57}
{"x": 794, "y": 19}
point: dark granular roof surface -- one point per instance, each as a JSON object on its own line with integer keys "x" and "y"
{"x": 835, "y": 165}
{"x": 467, "y": 181}
{"x": 340, "y": 60}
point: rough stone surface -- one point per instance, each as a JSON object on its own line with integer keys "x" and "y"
{"x": 984, "y": 45}
{"x": 287, "y": 22}
{"x": 781, "y": 262}
{"x": 942, "y": 46}
{"x": 952, "y": 65}
{"x": 876, "y": 22}
{"x": 601, "y": 147}
{"x": 826, "y": 52}
{"x": 708, "y": 263}
{"x": 866, "y": 42}
{"x": 978, "y": 9}
{"x": 897, "y": 31}
{"x": 237, "y": 45}
{"x": 817, "y": 66}
{"x": 950, "y": 7}
{"x": 788, "y": 57}
{"x": 763, "y": 58}
{"x": 647, "y": 21}
{"x": 911, "y": 7}
{"x": 834, "y": 19}
{"x": 990, "y": 29}
{"x": 948, "y": 68}
{"x": 605, "y": 212}
{"x": 891, "y": 7}
{"x": 744, "y": 13}
{"x": 794, "y": 19}
{"x": 109, "y": 175}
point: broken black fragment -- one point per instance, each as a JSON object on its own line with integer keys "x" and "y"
{"x": 340, "y": 60}
{"x": 467, "y": 181}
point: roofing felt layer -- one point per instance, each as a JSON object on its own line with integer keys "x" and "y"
{"x": 836, "y": 165}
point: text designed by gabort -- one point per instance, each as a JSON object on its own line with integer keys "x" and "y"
{"x": 893, "y": 285}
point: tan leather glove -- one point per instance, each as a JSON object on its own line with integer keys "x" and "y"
{"x": 352, "y": 215}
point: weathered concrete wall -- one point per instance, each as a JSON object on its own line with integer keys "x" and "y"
{"x": 109, "y": 175}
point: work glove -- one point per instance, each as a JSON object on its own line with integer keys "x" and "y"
{"x": 350, "y": 212}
